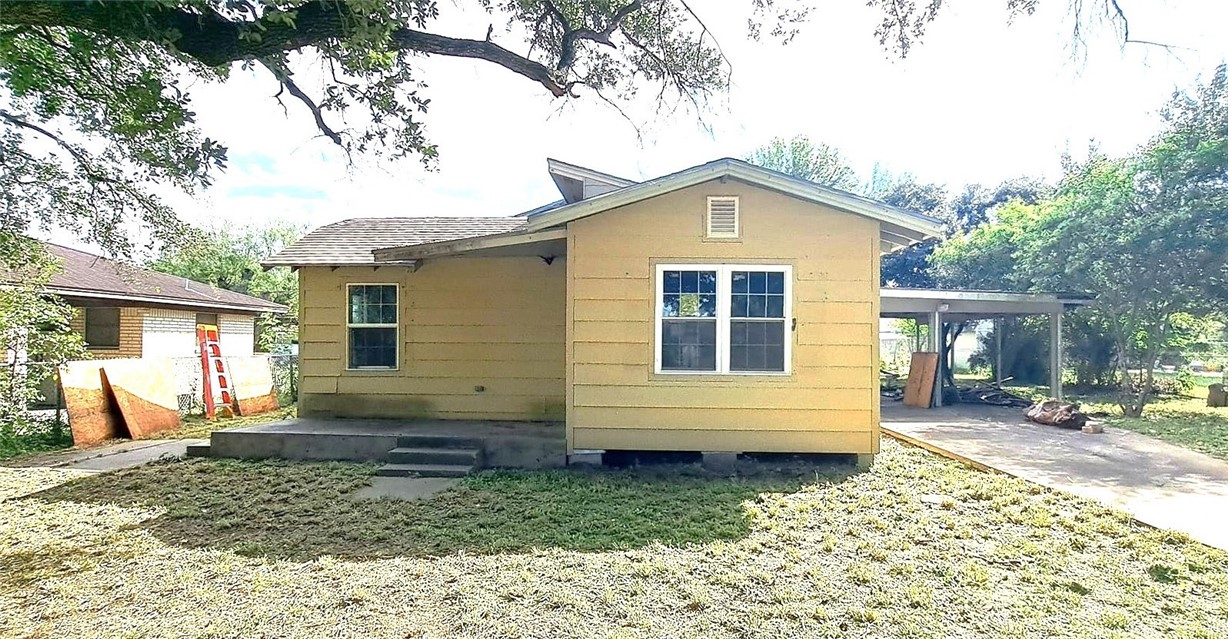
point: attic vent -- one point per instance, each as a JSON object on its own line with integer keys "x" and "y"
{"x": 722, "y": 218}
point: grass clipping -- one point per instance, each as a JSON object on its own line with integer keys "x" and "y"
{"x": 917, "y": 547}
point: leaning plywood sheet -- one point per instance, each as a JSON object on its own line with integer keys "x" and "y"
{"x": 253, "y": 383}
{"x": 144, "y": 389}
{"x": 919, "y": 390}
{"x": 91, "y": 414}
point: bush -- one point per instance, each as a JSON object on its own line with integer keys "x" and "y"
{"x": 32, "y": 436}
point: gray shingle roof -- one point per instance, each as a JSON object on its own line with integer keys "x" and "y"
{"x": 87, "y": 275}
{"x": 351, "y": 242}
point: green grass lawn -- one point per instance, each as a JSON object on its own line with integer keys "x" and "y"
{"x": 917, "y": 547}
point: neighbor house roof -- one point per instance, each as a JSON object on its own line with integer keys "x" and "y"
{"x": 85, "y": 276}
{"x": 352, "y": 242}
{"x": 586, "y": 192}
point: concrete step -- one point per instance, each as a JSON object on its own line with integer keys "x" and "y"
{"x": 437, "y": 441}
{"x": 443, "y": 456}
{"x": 424, "y": 470}
{"x": 198, "y": 450}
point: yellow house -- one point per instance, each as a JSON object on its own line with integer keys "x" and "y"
{"x": 723, "y": 308}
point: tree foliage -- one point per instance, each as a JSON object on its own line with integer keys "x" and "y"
{"x": 230, "y": 259}
{"x": 1144, "y": 233}
{"x": 35, "y": 333}
{"x": 803, "y": 158}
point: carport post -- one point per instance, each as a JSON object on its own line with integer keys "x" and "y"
{"x": 1055, "y": 354}
{"x": 935, "y": 320}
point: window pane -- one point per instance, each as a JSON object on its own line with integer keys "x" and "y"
{"x": 373, "y": 304}
{"x": 673, "y": 282}
{"x": 373, "y": 347}
{"x": 756, "y": 346}
{"x": 776, "y": 283}
{"x": 688, "y": 294}
{"x": 765, "y": 296}
{"x": 688, "y": 345}
{"x": 740, "y": 282}
{"x": 758, "y": 282}
{"x": 102, "y": 327}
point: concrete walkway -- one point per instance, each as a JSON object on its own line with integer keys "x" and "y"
{"x": 1160, "y": 484}
{"x": 109, "y": 457}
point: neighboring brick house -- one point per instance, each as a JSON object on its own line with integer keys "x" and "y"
{"x": 126, "y": 311}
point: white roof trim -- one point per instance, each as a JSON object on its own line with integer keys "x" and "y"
{"x": 982, "y": 296}
{"x": 168, "y": 301}
{"x": 737, "y": 169}
{"x": 450, "y": 247}
{"x": 577, "y": 172}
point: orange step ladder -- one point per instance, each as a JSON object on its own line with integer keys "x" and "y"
{"x": 218, "y": 390}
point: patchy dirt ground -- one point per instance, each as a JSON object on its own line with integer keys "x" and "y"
{"x": 917, "y": 547}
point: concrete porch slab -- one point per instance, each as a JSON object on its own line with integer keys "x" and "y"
{"x": 504, "y": 444}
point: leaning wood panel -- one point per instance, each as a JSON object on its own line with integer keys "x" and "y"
{"x": 92, "y": 414}
{"x": 919, "y": 390}
{"x": 144, "y": 390}
{"x": 761, "y": 441}
{"x": 253, "y": 384}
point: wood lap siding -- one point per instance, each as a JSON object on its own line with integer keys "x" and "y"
{"x": 465, "y": 322}
{"x": 829, "y": 403}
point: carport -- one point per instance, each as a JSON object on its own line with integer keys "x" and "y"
{"x": 938, "y": 308}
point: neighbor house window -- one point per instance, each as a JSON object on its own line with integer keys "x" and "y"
{"x": 102, "y": 327}
{"x": 723, "y": 318}
{"x": 372, "y": 325}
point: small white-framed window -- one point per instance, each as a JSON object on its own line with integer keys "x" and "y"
{"x": 722, "y": 220}
{"x": 371, "y": 326}
{"x": 724, "y": 319}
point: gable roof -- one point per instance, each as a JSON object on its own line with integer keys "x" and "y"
{"x": 575, "y": 182}
{"x": 352, "y": 242}
{"x": 901, "y": 227}
{"x": 371, "y": 241}
{"x": 89, "y": 276}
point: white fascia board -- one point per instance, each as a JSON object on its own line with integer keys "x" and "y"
{"x": 980, "y": 296}
{"x": 925, "y": 226}
{"x": 577, "y": 172}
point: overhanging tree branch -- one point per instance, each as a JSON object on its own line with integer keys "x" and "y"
{"x": 284, "y": 76}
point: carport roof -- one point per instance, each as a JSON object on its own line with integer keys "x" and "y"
{"x": 956, "y": 304}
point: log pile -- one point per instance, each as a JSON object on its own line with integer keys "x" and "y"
{"x": 1054, "y": 413}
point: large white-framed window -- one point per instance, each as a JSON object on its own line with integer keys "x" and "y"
{"x": 724, "y": 319}
{"x": 371, "y": 327}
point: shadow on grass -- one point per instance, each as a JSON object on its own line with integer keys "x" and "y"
{"x": 305, "y": 510}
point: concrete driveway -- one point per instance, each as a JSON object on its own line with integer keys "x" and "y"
{"x": 1160, "y": 484}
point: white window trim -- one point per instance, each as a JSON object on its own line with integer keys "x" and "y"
{"x": 349, "y": 325}
{"x": 724, "y": 295}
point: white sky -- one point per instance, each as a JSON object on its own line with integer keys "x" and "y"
{"x": 978, "y": 101}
